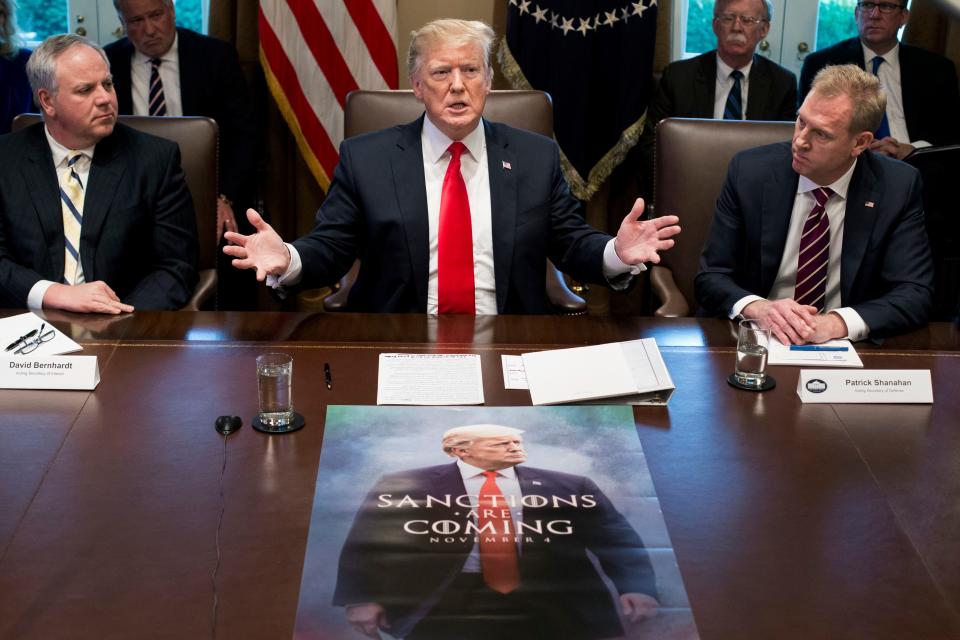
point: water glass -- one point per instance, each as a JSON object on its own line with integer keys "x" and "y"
{"x": 752, "y": 343}
{"x": 274, "y": 376}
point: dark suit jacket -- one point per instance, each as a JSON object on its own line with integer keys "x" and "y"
{"x": 687, "y": 89}
{"x": 928, "y": 82}
{"x": 886, "y": 268}
{"x": 211, "y": 85}
{"x": 139, "y": 230}
{"x": 15, "y": 94}
{"x": 376, "y": 209}
{"x": 407, "y": 574}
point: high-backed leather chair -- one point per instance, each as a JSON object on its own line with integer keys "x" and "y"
{"x": 197, "y": 138}
{"x": 939, "y": 168}
{"x": 691, "y": 158}
{"x": 367, "y": 111}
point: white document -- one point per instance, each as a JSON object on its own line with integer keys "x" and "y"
{"x": 514, "y": 375}
{"x": 15, "y": 327}
{"x": 430, "y": 379}
{"x": 827, "y": 354}
{"x": 633, "y": 369}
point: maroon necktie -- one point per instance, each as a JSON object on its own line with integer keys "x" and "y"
{"x": 455, "y": 288}
{"x": 812, "y": 265}
{"x": 498, "y": 551}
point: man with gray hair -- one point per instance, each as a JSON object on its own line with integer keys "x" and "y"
{"x": 489, "y": 548}
{"x": 94, "y": 216}
{"x": 452, "y": 213}
{"x": 821, "y": 238}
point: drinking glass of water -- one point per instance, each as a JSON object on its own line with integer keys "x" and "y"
{"x": 752, "y": 343}
{"x": 274, "y": 375}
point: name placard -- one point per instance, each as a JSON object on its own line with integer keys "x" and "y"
{"x": 865, "y": 386}
{"x": 50, "y": 372}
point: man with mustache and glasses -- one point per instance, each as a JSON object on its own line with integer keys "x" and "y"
{"x": 731, "y": 82}
{"x": 94, "y": 216}
{"x": 923, "y": 100}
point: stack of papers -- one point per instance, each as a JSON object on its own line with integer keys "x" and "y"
{"x": 833, "y": 353}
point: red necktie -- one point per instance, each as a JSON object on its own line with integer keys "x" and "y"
{"x": 812, "y": 264}
{"x": 455, "y": 290}
{"x": 498, "y": 551}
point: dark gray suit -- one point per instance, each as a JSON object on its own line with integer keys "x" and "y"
{"x": 139, "y": 229}
{"x": 886, "y": 269}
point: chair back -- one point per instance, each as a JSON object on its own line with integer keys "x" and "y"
{"x": 691, "y": 158}
{"x": 367, "y": 111}
{"x": 197, "y": 138}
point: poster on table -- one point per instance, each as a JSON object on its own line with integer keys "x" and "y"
{"x": 400, "y": 546}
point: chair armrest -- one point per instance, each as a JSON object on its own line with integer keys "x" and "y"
{"x": 673, "y": 304}
{"x": 337, "y": 301}
{"x": 206, "y": 287}
{"x": 560, "y": 297}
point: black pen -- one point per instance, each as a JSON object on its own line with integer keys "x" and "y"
{"x": 327, "y": 375}
{"x": 21, "y": 339}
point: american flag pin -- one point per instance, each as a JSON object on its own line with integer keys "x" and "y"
{"x": 506, "y": 165}
{"x": 868, "y": 204}
{"x": 536, "y": 482}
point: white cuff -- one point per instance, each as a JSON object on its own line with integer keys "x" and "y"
{"x": 857, "y": 329}
{"x": 613, "y": 266}
{"x": 292, "y": 274}
{"x": 37, "y": 291}
{"x": 738, "y": 307}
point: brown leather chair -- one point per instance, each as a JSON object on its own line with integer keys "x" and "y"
{"x": 367, "y": 111}
{"x": 691, "y": 159}
{"x": 197, "y": 138}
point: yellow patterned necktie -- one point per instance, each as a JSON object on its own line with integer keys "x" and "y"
{"x": 71, "y": 203}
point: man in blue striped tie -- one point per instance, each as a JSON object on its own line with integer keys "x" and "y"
{"x": 94, "y": 216}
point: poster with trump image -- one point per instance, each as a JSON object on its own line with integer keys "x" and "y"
{"x": 484, "y": 522}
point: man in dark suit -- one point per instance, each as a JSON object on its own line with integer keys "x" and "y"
{"x": 922, "y": 95}
{"x": 821, "y": 238}
{"x": 120, "y": 232}
{"x": 200, "y": 76}
{"x": 489, "y": 548}
{"x": 702, "y": 87}
{"x": 446, "y": 214}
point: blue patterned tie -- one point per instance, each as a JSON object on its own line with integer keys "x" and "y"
{"x": 71, "y": 204}
{"x": 733, "y": 110}
{"x": 884, "y": 129}
{"x": 158, "y": 105}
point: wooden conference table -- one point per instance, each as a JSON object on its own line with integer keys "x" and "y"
{"x": 788, "y": 521}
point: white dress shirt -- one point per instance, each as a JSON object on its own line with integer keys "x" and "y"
{"x": 169, "y": 76}
{"x": 888, "y": 73}
{"x": 509, "y": 486}
{"x": 475, "y": 171}
{"x": 725, "y": 83}
{"x": 61, "y": 155}
{"x": 786, "y": 281}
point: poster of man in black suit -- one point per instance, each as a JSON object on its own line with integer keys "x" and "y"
{"x": 413, "y": 562}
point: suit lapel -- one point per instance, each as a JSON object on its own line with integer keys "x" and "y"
{"x": 190, "y": 74}
{"x": 779, "y": 193}
{"x": 705, "y": 84}
{"x": 910, "y": 89}
{"x": 503, "y": 208}
{"x": 863, "y": 199}
{"x": 760, "y": 88}
{"x": 120, "y": 68}
{"x": 38, "y": 171}
{"x": 106, "y": 171}
{"x": 411, "y": 189}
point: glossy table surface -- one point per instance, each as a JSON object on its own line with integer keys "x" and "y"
{"x": 788, "y": 520}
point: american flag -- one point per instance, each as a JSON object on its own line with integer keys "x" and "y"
{"x": 315, "y": 52}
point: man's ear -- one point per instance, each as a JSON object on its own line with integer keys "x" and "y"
{"x": 417, "y": 88}
{"x": 861, "y": 143}
{"x": 45, "y": 102}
